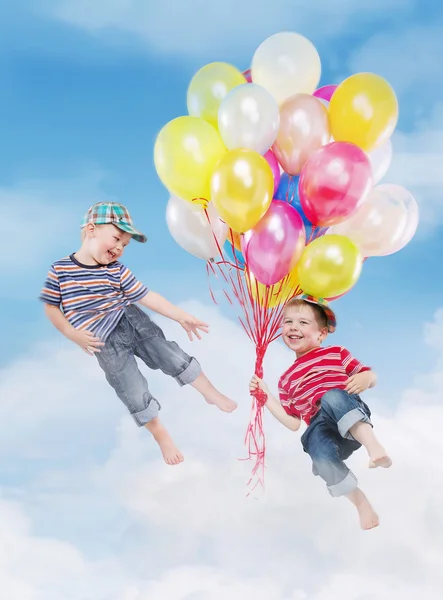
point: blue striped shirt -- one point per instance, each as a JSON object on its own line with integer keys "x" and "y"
{"x": 92, "y": 297}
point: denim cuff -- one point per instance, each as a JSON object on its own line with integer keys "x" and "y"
{"x": 190, "y": 373}
{"x": 349, "y": 420}
{"x": 147, "y": 414}
{"x": 345, "y": 487}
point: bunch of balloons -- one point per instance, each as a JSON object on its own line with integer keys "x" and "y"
{"x": 288, "y": 172}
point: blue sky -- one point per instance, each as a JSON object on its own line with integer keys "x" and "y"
{"x": 86, "y": 86}
{"x": 80, "y": 111}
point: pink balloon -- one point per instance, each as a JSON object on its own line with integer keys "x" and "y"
{"x": 247, "y": 75}
{"x": 325, "y": 92}
{"x": 334, "y": 183}
{"x": 275, "y": 167}
{"x": 304, "y": 127}
{"x": 274, "y": 246}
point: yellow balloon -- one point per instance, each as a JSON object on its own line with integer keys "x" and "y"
{"x": 208, "y": 88}
{"x": 185, "y": 154}
{"x": 242, "y": 186}
{"x": 329, "y": 266}
{"x": 363, "y": 110}
{"x": 277, "y": 294}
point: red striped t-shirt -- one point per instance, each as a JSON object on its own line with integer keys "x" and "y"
{"x": 312, "y": 375}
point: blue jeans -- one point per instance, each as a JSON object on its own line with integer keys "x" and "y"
{"x": 137, "y": 335}
{"x": 328, "y": 442}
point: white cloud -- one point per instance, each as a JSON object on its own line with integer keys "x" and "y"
{"x": 188, "y": 533}
{"x": 37, "y": 392}
{"x": 196, "y": 27}
{"x": 27, "y": 562}
{"x": 40, "y": 568}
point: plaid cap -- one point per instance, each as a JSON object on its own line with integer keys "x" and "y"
{"x": 104, "y": 213}
{"x": 330, "y": 315}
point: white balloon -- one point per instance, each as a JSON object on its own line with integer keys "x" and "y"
{"x": 191, "y": 229}
{"x": 413, "y": 214}
{"x": 380, "y": 159}
{"x": 384, "y": 224}
{"x": 249, "y": 118}
{"x": 286, "y": 64}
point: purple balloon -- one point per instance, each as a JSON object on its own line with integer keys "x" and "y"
{"x": 325, "y": 92}
{"x": 274, "y": 246}
{"x": 272, "y": 162}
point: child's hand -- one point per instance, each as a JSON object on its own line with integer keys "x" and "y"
{"x": 360, "y": 382}
{"x": 192, "y": 326}
{"x": 257, "y": 383}
{"x": 86, "y": 340}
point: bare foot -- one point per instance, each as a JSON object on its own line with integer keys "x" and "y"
{"x": 220, "y": 401}
{"x": 364, "y": 434}
{"x": 368, "y": 516}
{"x": 379, "y": 458}
{"x": 212, "y": 395}
{"x": 171, "y": 453}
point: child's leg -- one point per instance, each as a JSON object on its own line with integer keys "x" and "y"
{"x": 122, "y": 373}
{"x": 324, "y": 447}
{"x": 364, "y": 434}
{"x": 212, "y": 395}
{"x": 368, "y": 516}
{"x": 350, "y": 417}
{"x": 327, "y": 450}
{"x": 171, "y": 454}
{"x": 159, "y": 353}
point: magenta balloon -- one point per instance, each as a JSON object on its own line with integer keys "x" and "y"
{"x": 247, "y": 75}
{"x": 274, "y": 246}
{"x": 334, "y": 183}
{"x": 275, "y": 168}
{"x": 325, "y": 92}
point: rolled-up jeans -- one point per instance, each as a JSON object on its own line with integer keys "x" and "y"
{"x": 137, "y": 335}
{"x": 328, "y": 442}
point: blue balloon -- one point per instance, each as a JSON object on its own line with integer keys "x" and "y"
{"x": 288, "y": 191}
{"x": 308, "y": 229}
{"x": 233, "y": 255}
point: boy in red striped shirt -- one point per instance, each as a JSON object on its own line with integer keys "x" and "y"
{"x": 322, "y": 388}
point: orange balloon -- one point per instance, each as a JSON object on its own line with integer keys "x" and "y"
{"x": 235, "y": 238}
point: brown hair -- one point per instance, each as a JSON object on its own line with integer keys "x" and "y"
{"x": 320, "y": 315}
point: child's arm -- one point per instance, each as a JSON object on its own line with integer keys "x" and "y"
{"x": 361, "y": 377}
{"x": 58, "y": 319}
{"x": 360, "y": 382}
{"x": 160, "y": 305}
{"x": 274, "y": 406}
{"x": 84, "y": 339}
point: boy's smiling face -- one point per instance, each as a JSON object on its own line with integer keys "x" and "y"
{"x": 106, "y": 243}
{"x": 301, "y": 331}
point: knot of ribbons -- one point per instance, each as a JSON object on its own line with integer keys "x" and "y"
{"x": 259, "y": 395}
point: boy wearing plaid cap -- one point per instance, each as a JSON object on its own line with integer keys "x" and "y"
{"x": 322, "y": 388}
{"x": 90, "y": 297}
